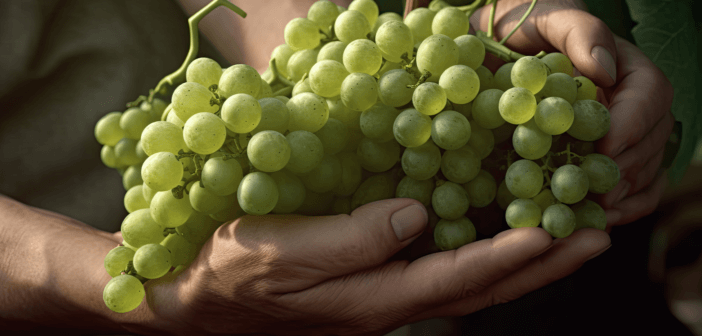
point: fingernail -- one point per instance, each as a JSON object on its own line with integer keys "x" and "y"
{"x": 598, "y": 253}
{"x": 624, "y": 192}
{"x": 409, "y": 222}
{"x": 606, "y": 61}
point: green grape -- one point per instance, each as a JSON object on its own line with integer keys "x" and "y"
{"x": 419, "y": 20}
{"x": 558, "y": 63}
{"x": 125, "y": 152}
{"x": 437, "y": 53}
{"x": 139, "y": 229}
{"x": 325, "y": 177}
{"x": 450, "y": 201}
{"x": 559, "y": 85}
{"x": 326, "y": 77}
{"x": 351, "y": 174}
{"x": 301, "y": 62}
{"x": 465, "y": 109}
{"x": 471, "y": 52}
{"x": 306, "y": 151}
{"x": 162, "y": 171}
{"x": 334, "y": 136}
{"x": 204, "y": 133}
{"x": 486, "y": 110}
{"x": 423, "y": 162}
{"x": 523, "y": 212}
{"x": 378, "y": 157}
{"x": 169, "y": 211}
{"x": 554, "y": 115}
{"x": 108, "y": 157}
{"x": 266, "y": 91}
{"x": 190, "y": 98}
{"x": 602, "y": 171}
{"x": 134, "y": 199}
{"x": 382, "y": 19}
{"x": 452, "y": 234}
{"x": 107, "y": 129}
{"x": 302, "y": 86}
{"x": 123, "y": 293}
{"x": 393, "y": 87}
{"x": 182, "y": 251}
{"x": 354, "y": 139}
{"x": 545, "y": 199}
{"x": 558, "y": 220}
{"x": 132, "y": 177}
{"x": 282, "y": 99}
{"x": 333, "y": 51}
{"x": 429, "y": 98}
{"x": 359, "y": 91}
{"x": 412, "y": 128}
{"x": 257, "y": 193}
{"x": 241, "y": 113}
{"x": 173, "y": 119}
{"x": 377, "y": 122}
{"x": 450, "y": 21}
{"x": 323, "y": 12}
{"x": 204, "y": 71}
{"x": 231, "y": 212}
{"x": 198, "y": 228}
{"x": 524, "y": 179}
{"x": 275, "y": 116}
{"x": 461, "y": 84}
{"x": 481, "y": 189}
{"x": 487, "y": 79}
{"x": 301, "y": 33}
{"x": 421, "y": 190}
{"x": 133, "y": 121}
{"x": 586, "y": 88}
{"x": 152, "y": 261}
{"x": 205, "y": 201}
{"x": 148, "y": 193}
{"x": 220, "y": 176}
{"x": 339, "y": 111}
{"x": 394, "y": 38}
{"x": 529, "y": 73}
{"x": 387, "y": 66}
{"x": 308, "y": 112}
{"x": 450, "y": 130}
{"x": 239, "y": 78}
{"x": 503, "y": 77}
{"x": 569, "y": 184}
{"x": 591, "y": 120}
{"x": 589, "y": 214}
{"x": 282, "y": 54}
{"x": 481, "y": 140}
{"x": 268, "y": 151}
{"x": 504, "y": 132}
{"x": 461, "y": 165}
{"x": 362, "y": 56}
{"x": 291, "y": 192}
{"x": 156, "y": 108}
{"x": 315, "y": 204}
{"x": 530, "y": 142}
{"x": 342, "y": 205}
{"x": 117, "y": 259}
{"x": 517, "y": 105}
{"x": 375, "y": 188}
{"x": 351, "y": 25}
{"x": 369, "y": 9}
{"x": 504, "y": 197}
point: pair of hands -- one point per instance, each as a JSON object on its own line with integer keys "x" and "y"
{"x": 330, "y": 275}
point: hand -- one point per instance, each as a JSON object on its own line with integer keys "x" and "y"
{"x": 301, "y": 275}
{"x": 636, "y": 92}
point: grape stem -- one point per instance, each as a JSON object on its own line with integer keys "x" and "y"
{"x": 421, "y": 80}
{"x": 524, "y": 17}
{"x": 168, "y": 231}
{"x": 491, "y": 22}
{"x": 277, "y": 77}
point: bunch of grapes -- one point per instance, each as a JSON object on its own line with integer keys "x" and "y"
{"x": 355, "y": 107}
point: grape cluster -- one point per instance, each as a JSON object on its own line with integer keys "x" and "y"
{"x": 356, "y": 107}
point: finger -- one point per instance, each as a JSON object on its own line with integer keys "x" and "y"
{"x": 118, "y": 236}
{"x": 639, "y": 205}
{"x": 642, "y": 96}
{"x": 634, "y": 181}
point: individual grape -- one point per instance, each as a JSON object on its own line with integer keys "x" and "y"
{"x": 517, "y": 105}
{"x": 204, "y": 201}
{"x": 558, "y": 220}
{"x": 123, "y": 293}
{"x": 481, "y": 140}
{"x": 169, "y": 211}
{"x": 134, "y": 199}
{"x": 257, "y": 193}
{"x": 421, "y": 190}
{"x": 152, "y": 261}
{"x": 198, "y": 228}
{"x": 377, "y": 122}
{"x": 504, "y": 132}
{"x": 323, "y": 13}
{"x": 326, "y": 77}
{"x": 382, "y": 19}
{"x": 503, "y": 77}
{"x": 108, "y": 157}
{"x": 393, "y": 90}
{"x": 334, "y": 136}
{"x": 369, "y": 9}
{"x": 325, "y": 177}
{"x": 239, "y": 78}
{"x": 266, "y": 91}
{"x": 117, "y": 259}
{"x": 291, "y": 192}
{"x": 282, "y": 99}
{"x": 394, "y": 38}
{"x": 351, "y": 25}
{"x": 359, "y": 91}
{"x": 591, "y": 120}
{"x": 529, "y": 73}
{"x": 523, "y": 212}
{"x": 156, "y": 108}
{"x": 148, "y": 193}
{"x": 301, "y": 62}
{"x": 139, "y": 229}
{"x": 268, "y": 151}
{"x": 162, "y": 171}
{"x": 125, "y": 152}
{"x": 241, "y": 113}
{"x": 569, "y": 184}
{"x": 504, "y": 196}
{"x": 461, "y": 165}
{"x": 530, "y": 142}
{"x": 423, "y": 162}
{"x": 132, "y": 177}
{"x": 375, "y": 188}
{"x": 351, "y": 174}
{"x": 231, "y": 212}
{"x": 450, "y": 21}
{"x": 378, "y": 157}
{"x": 412, "y": 128}
{"x": 182, "y": 251}
{"x": 275, "y": 116}
{"x": 204, "y": 71}
{"x": 302, "y": 86}
{"x": 603, "y": 173}
{"x": 339, "y": 111}
{"x": 461, "y": 84}
{"x": 133, "y": 121}
{"x": 450, "y": 201}
{"x": 354, "y": 139}
{"x": 554, "y": 115}
{"x": 220, "y": 176}
{"x": 308, "y": 112}
{"x": 486, "y": 111}
{"x": 302, "y": 33}
{"x": 558, "y": 63}
{"x": 524, "y": 179}
{"x": 450, "y": 130}
{"x": 589, "y": 214}
{"x": 204, "y": 133}
{"x": 545, "y": 199}
{"x": 107, "y": 129}
{"x": 282, "y": 54}
{"x": 481, "y": 190}
{"x": 306, "y": 151}
{"x": 173, "y": 119}
{"x": 429, "y": 98}
{"x": 190, "y": 98}
{"x": 559, "y": 85}
{"x": 419, "y": 20}
{"x": 586, "y": 88}
{"x": 333, "y": 51}
{"x": 471, "y": 51}
{"x": 362, "y": 56}
{"x": 162, "y": 136}
{"x": 437, "y": 53}
{"x": 387, "y": 66}
{"x": 487, "y": 79}
{"x": 452, "y": 234}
